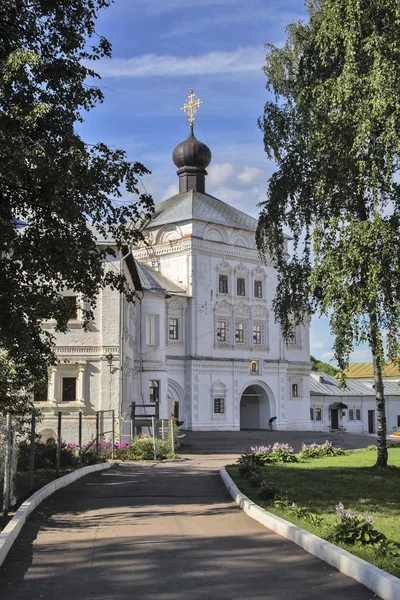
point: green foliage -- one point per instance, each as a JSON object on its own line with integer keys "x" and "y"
{"x": 267, "y": 491}
{"x": 322, "y": 367}
{"x": 13, "y": 399}
{"x": 332, "y": 126}
{"x": 278, "y": 453}
{"x": 355, "y": 529}
{"x": 142, "y": 449}
{"x": 248, "y": 465}
{"x": 300, "y": 512}
{"x": 54, "y": 181}
{"x": 314, "y": 485}
{"x": 319, "y": 451}
{"x": 46, "y": 455}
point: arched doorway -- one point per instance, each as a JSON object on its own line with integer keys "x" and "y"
{"x": 175, "y": 398}
{"x": 255, "y": 408}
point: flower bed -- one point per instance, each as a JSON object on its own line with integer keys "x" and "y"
{"x": 306, "y": 491}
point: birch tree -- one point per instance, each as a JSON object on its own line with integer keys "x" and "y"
{"x": 332, "y": 126}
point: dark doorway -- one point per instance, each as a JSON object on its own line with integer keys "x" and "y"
{"x": 335, "y": 418}
{"x": 176, "y": 409}
{"x": 371, "y": 421}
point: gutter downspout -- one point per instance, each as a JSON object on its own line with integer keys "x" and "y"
{"x": 121, "y": 334}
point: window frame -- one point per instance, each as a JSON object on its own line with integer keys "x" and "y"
{"x": 239, "y": 327}
{"x": 312, "y": 413}
{"x": 219, "y": 405}
{"x": 318, "y": 413}
{"x": 358, "y": 414}
{"x": 258, "y": 287}
{"x": 174, "y": 328}
{"x": 220, "y": 329}
{"x": 63, "y": 391}
{"x": 257, "y": 334}
{"x": 157, "y": 387}
{"x": 73, "y": 309}
{"x": 240, "y": 286}
{"x": 223, "y": 283}
{"x": 351, "y": 414}
{"x": 295, "y": 390}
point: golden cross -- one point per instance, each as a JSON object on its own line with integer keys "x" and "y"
{"x": 190, "y": 108}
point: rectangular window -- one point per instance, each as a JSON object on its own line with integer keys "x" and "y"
{"x": 295, "y": 390}
{"x": 68, "y": 389}
{"x": 173, "y": 329}
{"x": 40, "y": 391}
{"x": 257, "y": 334}
{"x": 219, "y": 406}
{"x": 318, "y": 414}
{"x": 72, "y": 304}
{"x": 398, "y": 420}
{"x": 223, "y": 284}
{"x": 221, "y": 331}
{"x": 239, "y": 333}
{"x": 351, "y": 414}
{"x": 358, "y": 414}
{"x": 292, "y": 339}
{"x": 258, "y": 289}
{"x": 151, "y": 330}
{"x": 154, "y": 389}
{"x": 241, "y": 287}
{"x": 311, "y": 414}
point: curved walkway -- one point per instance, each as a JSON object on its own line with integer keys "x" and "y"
{"x": 164, "y": 532}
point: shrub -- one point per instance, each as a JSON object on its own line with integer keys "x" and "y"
{"x": 248, "y": 466}
{"x": 267, "y": 491}
{"x": 142, "y": 449}
{"x": 274, "y": 454}
{"x": 299, "y": 511}
{"x": 319, "y": 450}
{"x": 46, "y": 455}
{"x": 358, "y": 530}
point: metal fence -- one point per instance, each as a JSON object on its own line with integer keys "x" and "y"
{"x": 26, "y": 450}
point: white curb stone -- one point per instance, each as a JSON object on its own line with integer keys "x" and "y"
{"x": 381, "y": 583}
{"x": 12, "y": 529}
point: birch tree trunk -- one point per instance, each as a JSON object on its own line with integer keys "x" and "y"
{"x": 382, "y": 456}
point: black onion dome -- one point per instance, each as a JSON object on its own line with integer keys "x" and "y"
{"x": 191, "y": 153}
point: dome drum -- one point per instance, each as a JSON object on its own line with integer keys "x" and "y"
{"x": 191, "y": 157}
{"x": 192, "y": 178}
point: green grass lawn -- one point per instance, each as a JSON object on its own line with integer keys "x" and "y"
{"x": 320, "y": 484}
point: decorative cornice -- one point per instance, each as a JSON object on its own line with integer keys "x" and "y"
{"x": 98, "y": 350}
{"x": 184, "y": 246}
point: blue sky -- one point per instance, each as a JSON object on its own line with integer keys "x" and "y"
{"x": 161, "y": 49}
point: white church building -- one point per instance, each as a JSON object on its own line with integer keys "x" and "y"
{"x": 201, "y": 341}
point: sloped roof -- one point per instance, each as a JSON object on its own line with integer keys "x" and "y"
{"x": 322, "y": 384}
{"x": 203, "y": 207}
{"x": 152, "y": 281}
{"x": 364, "y": 370}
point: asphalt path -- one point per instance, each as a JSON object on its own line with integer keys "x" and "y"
{"x": 163, "y": 532}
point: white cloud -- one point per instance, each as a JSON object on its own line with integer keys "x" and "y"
{"x": 242, "y": 60}
{"x": 227, "y": 173}
{"x": 328, "y": 355}
{"x": 361, "y": 355}
{"x": 220, "y": 173}
{"x": 317, "y": 345}
{"x": 171, "y": 190}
